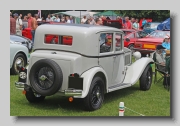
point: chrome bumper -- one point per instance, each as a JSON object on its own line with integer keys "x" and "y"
{"x": 20, "y": 84}
{"x": 73, "y": 92}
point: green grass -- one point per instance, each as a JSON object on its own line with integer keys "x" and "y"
{"x": 154, "y": 102}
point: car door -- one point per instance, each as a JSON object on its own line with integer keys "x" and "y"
{"x": 118, "y": 69}
{"x": 106, "y": 54}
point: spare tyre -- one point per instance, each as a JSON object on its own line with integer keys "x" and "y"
{"x": 46, "y": 77}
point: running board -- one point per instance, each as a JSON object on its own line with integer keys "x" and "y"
{"x": 119, "y": 86}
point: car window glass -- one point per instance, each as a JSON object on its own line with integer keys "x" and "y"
{"x": 118, "y": 43}
{"x": 106, "y": 42}
{"x": 58, "y": 39}
{"x": 131, "y": 35}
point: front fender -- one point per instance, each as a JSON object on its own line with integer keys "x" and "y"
{"x": 135, "y": 71}
{"x": 87, "y": 79}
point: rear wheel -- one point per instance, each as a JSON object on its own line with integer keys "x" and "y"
{"x": 95, "y": 97}
{"x": 146, "y": 78}
{"x": 32, "y": 97}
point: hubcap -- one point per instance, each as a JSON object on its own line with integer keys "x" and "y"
{"x": 96, "y": 95}
{"x": 45, "y": 77}
{"x": 19, "y": 59}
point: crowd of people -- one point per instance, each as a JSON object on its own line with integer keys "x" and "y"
{"x": 16, "y": 21}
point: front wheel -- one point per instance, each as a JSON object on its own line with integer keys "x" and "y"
{"x": 95, "y": 97}
{"x": 146, "y": 78}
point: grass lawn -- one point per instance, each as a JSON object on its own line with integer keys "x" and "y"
{"x": 154, "y": 102}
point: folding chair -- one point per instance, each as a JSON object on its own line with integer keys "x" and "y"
{"x": 157, "y": 70}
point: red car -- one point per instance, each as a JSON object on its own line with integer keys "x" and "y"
{"x": 148, "y": 44}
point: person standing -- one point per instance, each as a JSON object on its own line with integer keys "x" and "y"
{"x": 83, "y": 20}
{"x": 12, "y": 25}
{"x": 48, "y": 19}
{"x": 20, "y": 16}
{"x": 127, "y": 24}
{"x": 29, "y": 20}
{"x": 143, "y": 22}
{"x": 71, "y": 19}
{"x": 92, "y": 22}
{"x": 34, "y": 25}
{"x": 18, "y": 25}
{"x": 57, "y": 19}
{"x": 67, "y": 19}
{"x": 136, "y": 25}
{"x": 99, "y": 21}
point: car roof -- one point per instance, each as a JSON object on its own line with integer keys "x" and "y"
{"x": 82, "y": 25}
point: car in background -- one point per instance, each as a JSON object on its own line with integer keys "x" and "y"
{"x": 150, "y": 27}
{"x": 148, "y": 44}
{"x": 18, "y": 53}
{"x": 16, "y": 39}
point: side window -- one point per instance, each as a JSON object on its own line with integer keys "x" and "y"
{"x": 106, "y": 42}
{"x": 138, "y": 35}
{"x": 131, "y": 36}
{"x": 118, "y": 39}
{"x": 58, "y": 39}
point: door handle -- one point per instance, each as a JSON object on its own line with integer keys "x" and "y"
{"x": 114, "y": 56}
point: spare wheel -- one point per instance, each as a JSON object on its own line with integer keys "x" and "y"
{"x": 46, "y": 77}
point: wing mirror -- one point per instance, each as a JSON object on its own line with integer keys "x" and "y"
{"x": 127, "y": 39}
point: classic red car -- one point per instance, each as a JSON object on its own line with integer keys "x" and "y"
{"x": 130, "y": 37}
{"x": 148, "y": 44}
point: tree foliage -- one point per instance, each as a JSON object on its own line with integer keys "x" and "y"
{"x": 156, "y": 15}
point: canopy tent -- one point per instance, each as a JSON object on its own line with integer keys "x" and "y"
{"x": 165, "y": 25}
{"x": 110, "y": 14}
{"x": 77, "y": 15}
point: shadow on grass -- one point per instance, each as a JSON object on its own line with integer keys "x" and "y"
{"x": 59, "y": 102}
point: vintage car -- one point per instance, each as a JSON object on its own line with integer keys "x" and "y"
{"x": 18, "y": 55}
{"x": 148, "y": 44}
{"x": 85, "y": 69}
{"x": 16, "y": 39}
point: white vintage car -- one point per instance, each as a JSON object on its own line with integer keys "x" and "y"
{"x": 78, "y": 61}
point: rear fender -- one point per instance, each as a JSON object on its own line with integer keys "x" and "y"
{"x": 87, "y": 79}
{"x": 135, "y": 71}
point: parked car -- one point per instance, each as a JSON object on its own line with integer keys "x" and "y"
{"x": 150, "y": 27}
{"x": 148, "y": 44}
{"x": 88, "y": 68}
{"x": 16, "y": 39}
{"x": 18, "y": 53}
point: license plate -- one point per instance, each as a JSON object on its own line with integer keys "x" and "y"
{"x": 149, "y": 46}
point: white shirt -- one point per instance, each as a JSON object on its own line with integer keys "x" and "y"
{"x": 57, "y": 19}
{"x": 18, "y": 23}
{"x": 68, "y": 21}
{"x": 83, "y": 20}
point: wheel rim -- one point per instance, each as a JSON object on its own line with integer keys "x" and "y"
{"x": 131, "y": 48}
{"x": 15, "y": 64}
{"x": 148, "y": 77}
{"x": 44, "y": 78}
{"x": 96, "y": 95}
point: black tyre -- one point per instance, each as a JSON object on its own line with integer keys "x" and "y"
{"x": 95, "y": 97}
{"x": 146, "y": 78}
{"x": 46, "y": 77}
{"x": 14, "y": 70}
{"x": 32, "y": 97}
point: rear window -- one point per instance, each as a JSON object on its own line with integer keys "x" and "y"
{"x": 58, "y": 39}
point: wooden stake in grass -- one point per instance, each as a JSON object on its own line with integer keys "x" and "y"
{"x": 121, "y": 109}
